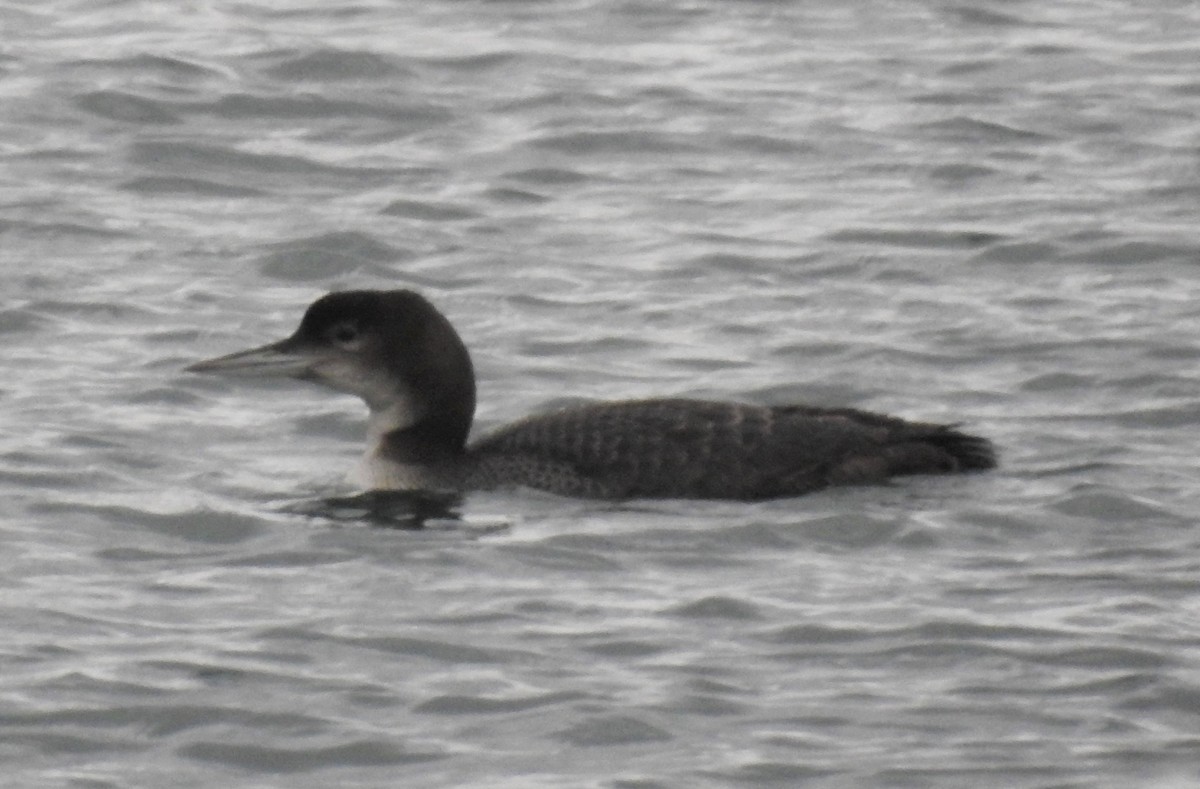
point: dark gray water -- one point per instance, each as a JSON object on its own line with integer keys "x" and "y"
{"x": 982, "y": 213}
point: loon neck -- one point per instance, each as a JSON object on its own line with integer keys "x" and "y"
{"x": 428, "y": 413}
{"x": 429, "y": 442}
{"x": 424, "y": 455}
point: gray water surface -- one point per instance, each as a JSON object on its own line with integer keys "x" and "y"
{"x": 979, "y": 213}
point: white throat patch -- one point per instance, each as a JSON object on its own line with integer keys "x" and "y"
{"x": 402, "y": 412}
{"x": 376, "y": 471}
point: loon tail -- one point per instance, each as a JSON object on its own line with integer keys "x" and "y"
{"x": 941, "y": 448}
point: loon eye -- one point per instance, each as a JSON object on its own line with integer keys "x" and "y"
{"x": 345, "y": 334}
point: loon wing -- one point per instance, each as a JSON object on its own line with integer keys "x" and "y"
{"x": 702, "y": 449}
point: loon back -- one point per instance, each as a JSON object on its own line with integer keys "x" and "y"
{"x": 404, "y": 359}
{"x": 678, "y": 448}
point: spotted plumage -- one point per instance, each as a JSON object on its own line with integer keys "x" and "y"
{"x": 719, "y": 450}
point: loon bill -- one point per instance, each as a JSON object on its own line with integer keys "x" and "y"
{"x": 404, "y": 359}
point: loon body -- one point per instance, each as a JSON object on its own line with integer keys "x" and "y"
{"x": 404, "y": 359}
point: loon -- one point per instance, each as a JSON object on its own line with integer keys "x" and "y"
{"x": 404, "y": 359}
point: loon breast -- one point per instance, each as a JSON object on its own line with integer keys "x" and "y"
{"x": 408, "y": 364}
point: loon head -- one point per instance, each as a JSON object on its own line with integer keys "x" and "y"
{"x": 391, "y": 348}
